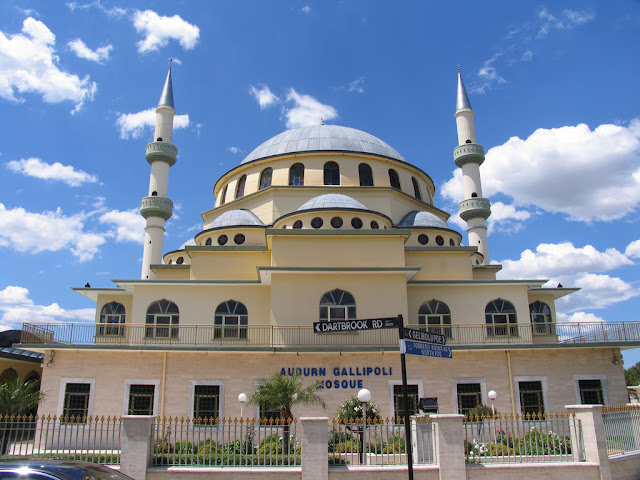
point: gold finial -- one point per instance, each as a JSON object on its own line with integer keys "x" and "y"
{"x": 322, "y": 119}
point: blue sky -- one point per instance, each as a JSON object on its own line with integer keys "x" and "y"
{"x": 554, "y": 88}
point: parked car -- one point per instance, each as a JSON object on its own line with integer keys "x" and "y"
{"x": 58, "y": 470}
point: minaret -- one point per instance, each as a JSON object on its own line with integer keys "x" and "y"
{"x": 157, "y": 208}
{"x": 474, "y": 209}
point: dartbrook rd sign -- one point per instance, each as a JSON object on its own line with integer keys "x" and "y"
{"x": 341, "y": 326}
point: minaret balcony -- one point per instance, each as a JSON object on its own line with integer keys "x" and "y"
{"x": 476, "y": 207}
{"x": 156, "y": 207}
{"x": 161, "y": 152}
{"x": 468, "y": 153}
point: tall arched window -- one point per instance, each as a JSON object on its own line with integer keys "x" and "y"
{"x": 394, "y": 180}
{"x": 163, "y": 318}
{"x": 436, "y": 316}
{"x": 366, "y": 175}
{"x": 541, "y": 318}
{"x": 331, "y": 173}
{"x": 265, "y": 178}
{"x": 240, "y": 186}
{"x": 223, "y": 196}
{"x": 498, "y": 314}
{"x": 112, "y": 318}
{"x": 9, "y": 375}
{"x": 296, "y": 175}
{"x": 230, "y": 320}
{"x": 416, "y": 188}
{"x": 337, "y": 305}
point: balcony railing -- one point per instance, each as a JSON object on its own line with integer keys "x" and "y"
{"x": 269, "y": 336}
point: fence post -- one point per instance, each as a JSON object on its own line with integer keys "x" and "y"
{"x": 593, "y": 438}
{"x": 135, "y": 444}
{"x": 315, "y": 448}
{"x": 449, "y": 446}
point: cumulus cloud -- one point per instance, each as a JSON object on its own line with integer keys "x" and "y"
{"x": 263, "y": 95}
{"x": 28, "y": 64}
{"x": 306, "y": 110}
{"x": 34, "y": 167}
{"x": 134, "y": 125}
{"x": 16, "y": 308}
{"x": 99, "y": 55}
{"x": 596, "y": 173}
{"x": 158, "y": 30}
{"x": 505, "y": 218}
{"x": 129, "y": 224}
{"x": 633, "y": 249}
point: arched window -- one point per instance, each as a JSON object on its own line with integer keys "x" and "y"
{"x": 366, "y": 175}
{"x": 296, "y": 175}
{"x": 416, "y": 188}
{"x": 541, "y": 318}
{"x": 223, "y": 196}
{"x": 337, "y": 305}
{"x": 163, "y": 317}
{"x": 331, "y": 173}
{"x": 394, "y": 180}
{"x": 265, "y": 178}
{"x": 112, "y": 319}
{"x": 498, "y": 314}
{"x": 32, "y": 376}
{"x": 437, "y": 316}
{"x": 9, "y": 375}
{"x": 240, "y": 186}
{"x": 231, "y": 320}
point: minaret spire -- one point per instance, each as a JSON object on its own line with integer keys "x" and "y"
{"x": 156, "y": 208}
{"x": 474, "y": 209}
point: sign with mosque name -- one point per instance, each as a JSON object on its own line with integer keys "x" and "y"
{"x": 421, "y": 336}
{"x": 342, "y": 326}
{"x": 425, "y": 349}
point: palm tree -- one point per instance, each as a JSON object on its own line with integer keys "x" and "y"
{"x": 16, "y": 398}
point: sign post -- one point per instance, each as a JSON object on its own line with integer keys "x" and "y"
{"x": 405, "y": 395}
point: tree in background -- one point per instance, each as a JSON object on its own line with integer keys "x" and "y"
{"x": 632, "y": 375}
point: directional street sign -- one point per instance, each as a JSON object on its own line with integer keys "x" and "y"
{"x": 420, "y": 336}
{"x": 341, "y": 326}
{"x": 425, "y": 349}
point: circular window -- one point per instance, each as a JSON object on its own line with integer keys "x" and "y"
{"x": 297, "y": 224}
{"x": 239, "y": 239}
{"x": 208, "y": 242}
{"x": 317, "y": 222}
{"x": 356, "y": 223}
{"x": 222, "y": 240}
{"x": 374, "y": 225}
{"x": 423, "y": 239}
{"x": 336, "y": 222}
{"x": 180, "y": 260}
{"x": 439, "y": 240}
{"x": 451, "y": 242}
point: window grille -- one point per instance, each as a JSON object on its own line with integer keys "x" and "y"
{"x": 141, "y": 399}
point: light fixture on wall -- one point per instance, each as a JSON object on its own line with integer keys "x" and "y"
{"x": 616, "y": 359}
{"x": 50, "y": 358}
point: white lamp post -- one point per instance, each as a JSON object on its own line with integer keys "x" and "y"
{"x": 492, "y": 396}
{"x": 364, "y": 396}
{"x": 242, "y": 398}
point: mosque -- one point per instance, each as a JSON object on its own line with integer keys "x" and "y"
{"x": 322, "y": 224}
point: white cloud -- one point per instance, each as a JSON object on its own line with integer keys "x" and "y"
{"x": 306, "y": 9}
{"x": 99, "y": 55}
{"x": 306, "y": 110}
{"x": 48, "y": 231}
{"x": 234, "y": 150}
{"x": 356, "y": 86}
{"x": 129, "y": 224}
{"x": 34, "y": 167}
{"x": 114, "y": 11}
{"x": 16, "y": 308}
{"x": 28, "y": 64}
{"x": 578, "y": 18}
{"x": 159, "y": 30}
{"x": 580, "y": 317}
{"x": 134, "y": 125}
{"x": 488, "y": 76}
{"x": 506, "y": 218}
{"x": 633, "y": 249}
{"x": 586, "y": 174}
{"x": 263, "y": 95}
{"x": 598, "y": 291}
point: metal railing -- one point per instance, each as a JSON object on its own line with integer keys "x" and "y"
{"x": 621, "y": 429}
{"x": 93, "y": 439}
{"x": 269, "y": 336}
{"x": 517, "y": 439}
{"x": 225, "y": 442}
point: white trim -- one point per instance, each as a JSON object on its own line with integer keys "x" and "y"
{"x": 140, "y": 381}
{"x": 63, "y": 388}
{"x": 525, "y": 378}
{"x": 454, "y": 388}
{"x": 411, "y": 381}
{"x": 603, "y": 384}
{"x": 192, "y": 389}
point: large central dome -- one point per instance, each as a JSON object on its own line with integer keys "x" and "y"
{"x": 323, "y": 138}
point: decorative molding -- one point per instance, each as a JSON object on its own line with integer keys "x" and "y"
{"x": 161, "y": 152}
{"x": 156, "y": 207}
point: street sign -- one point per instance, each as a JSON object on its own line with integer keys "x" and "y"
{"x": 425, "y": 349}
{"x": 420, "y": 336}
{"x": 342, "y": 326}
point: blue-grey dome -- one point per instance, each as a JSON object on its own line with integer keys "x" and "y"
{"x": 237, "y": 218}
{"x": 332, "y": 200}
{"x": 421, "y": 219}
{"x": 187, "y": 243}
{"x": 323, "y": 138}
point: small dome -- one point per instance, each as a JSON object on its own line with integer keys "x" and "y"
{"x": 323, "y": 138}
{"x": 237, "y": 218}
{"x": 187, "y": 244}
{"x": 421, "y": 219}
{"x": 332, "y": 200}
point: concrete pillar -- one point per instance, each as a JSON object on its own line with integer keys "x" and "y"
{"x": 595, "y": 445}
{"x": 449, "y": 446}
{"x": 315, "y": 448}
{"x": 135, "y": 441}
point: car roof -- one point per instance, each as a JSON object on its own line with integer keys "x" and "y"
{"x": 67, "y": 469}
